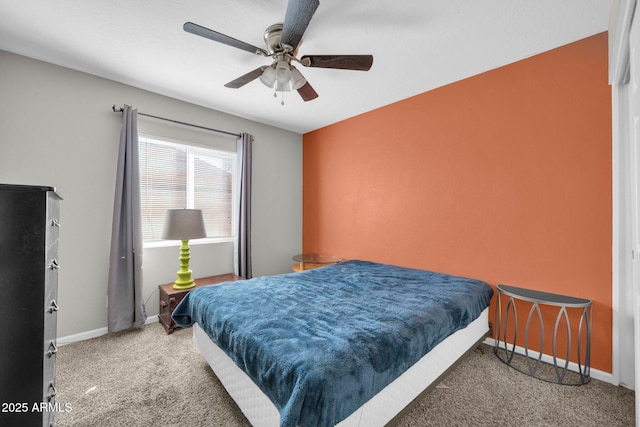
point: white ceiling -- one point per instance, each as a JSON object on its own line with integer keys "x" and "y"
{"x": 417, "y": 45}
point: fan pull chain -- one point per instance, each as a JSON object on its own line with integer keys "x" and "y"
{"x": 275, "y": 95}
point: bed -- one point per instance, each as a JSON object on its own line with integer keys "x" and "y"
{"x": 348, "y": 344}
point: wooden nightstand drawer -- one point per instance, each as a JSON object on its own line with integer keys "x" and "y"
{"x": 170, "y": 298}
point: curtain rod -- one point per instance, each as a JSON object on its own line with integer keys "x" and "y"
{"x": 120, "y": 110}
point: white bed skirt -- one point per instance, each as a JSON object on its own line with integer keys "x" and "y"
{"x": 378, "y": 411}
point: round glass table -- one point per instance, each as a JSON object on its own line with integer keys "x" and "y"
{"x": 309, "y": 261}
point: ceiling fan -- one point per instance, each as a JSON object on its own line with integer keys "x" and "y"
{"x": 282, "y": 42}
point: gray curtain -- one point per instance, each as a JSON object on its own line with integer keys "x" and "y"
{"x": 125, "y": 305}
{"x": 243, "y": 231}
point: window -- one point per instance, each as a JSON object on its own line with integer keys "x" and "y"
{"x": 177, "y": 176}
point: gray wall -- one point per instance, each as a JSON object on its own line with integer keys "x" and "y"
{"x": 57, "y": 128}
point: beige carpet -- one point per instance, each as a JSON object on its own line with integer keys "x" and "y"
{"x": 147, "y": 378}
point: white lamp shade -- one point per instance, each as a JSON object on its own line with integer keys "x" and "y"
{"x": 183, "y": 224}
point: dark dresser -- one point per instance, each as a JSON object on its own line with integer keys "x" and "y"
{"x": 29, "y": 228}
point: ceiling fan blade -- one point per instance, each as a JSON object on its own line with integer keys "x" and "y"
{"x": 307, "y": 92}
{"x": 343, "y": 62}
{"x": 296, "y": 20}
{"x": 198, "y": 30}
{"x": 243, "y": 80}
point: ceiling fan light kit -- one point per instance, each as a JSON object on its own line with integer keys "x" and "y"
{"x": 268, "y": 77}
{"x": 283, "y": 73}
{"x": 281, "y": 87}
{"x": 282, "y": 41}
{"x": 297, "y": 79}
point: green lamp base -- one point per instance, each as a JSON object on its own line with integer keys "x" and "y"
{"x": 184, "y": 280}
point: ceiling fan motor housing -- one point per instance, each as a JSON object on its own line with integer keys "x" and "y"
{"x": 273, "y": 39}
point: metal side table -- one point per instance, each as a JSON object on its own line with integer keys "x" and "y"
{"x": 529, "y": 363}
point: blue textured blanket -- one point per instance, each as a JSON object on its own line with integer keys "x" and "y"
{"x": 322, "y": 342}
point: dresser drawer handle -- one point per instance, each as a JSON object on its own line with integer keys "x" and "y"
{"x": 53, "y": 265}
{"x": 55, "y": 223}
{"x": 53, "y": 306}
{"x": 53, "y": 391}
{"x": 52, "y": 349}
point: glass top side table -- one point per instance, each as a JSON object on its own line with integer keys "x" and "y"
{"x": 530, "y": 364}
{"x": 309, "y": 261}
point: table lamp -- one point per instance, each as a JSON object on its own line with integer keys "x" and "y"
{"x": 184, "y": 225}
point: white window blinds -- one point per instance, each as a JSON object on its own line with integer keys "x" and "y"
{"x": 175, "y": 176}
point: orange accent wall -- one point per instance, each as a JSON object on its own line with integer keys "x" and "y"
{"x": 504, "y": 176}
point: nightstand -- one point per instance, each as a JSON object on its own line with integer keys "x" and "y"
{"x": 169, "y": 297}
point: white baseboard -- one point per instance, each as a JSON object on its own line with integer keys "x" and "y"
{"x": 595, "y": 373}
{"x": 94, "y": 333}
